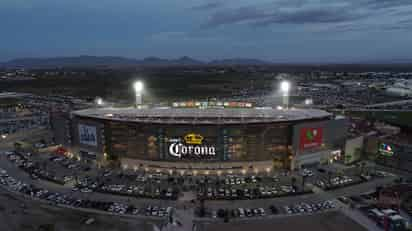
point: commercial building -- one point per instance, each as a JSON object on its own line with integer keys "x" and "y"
{"x": 204, "y": 140}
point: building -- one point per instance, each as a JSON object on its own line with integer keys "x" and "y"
{"x": 401, "y": 88}
{"x": 205, "y": 140}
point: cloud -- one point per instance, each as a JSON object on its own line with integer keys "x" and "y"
{"x": 306, "y": 12}
{"x": 385, "y": 4}
{"x": 208, "y": 6}
{"x": 234, "y": 16}
{"x": 312, "y": 16}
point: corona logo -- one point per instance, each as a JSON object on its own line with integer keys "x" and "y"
{"x": 192, "y": 138}
{"x": 192, "y": 146}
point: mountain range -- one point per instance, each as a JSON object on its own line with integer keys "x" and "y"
{"x": 116, "y": 61}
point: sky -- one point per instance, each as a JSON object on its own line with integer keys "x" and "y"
{"x": 273, "y": 30}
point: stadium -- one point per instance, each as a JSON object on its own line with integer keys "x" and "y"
{"x": 211, "y": 140}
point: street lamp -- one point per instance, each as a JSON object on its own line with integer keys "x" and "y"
{"x": 138, "y": 89}
{"x": 285, "y": 88}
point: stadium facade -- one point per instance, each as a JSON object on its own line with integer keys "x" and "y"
{"x": 204, "y": 140}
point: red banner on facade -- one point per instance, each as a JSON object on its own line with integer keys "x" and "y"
{"x": 310, "y": 138}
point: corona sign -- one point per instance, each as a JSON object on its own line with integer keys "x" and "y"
{"x": 310, "y": 138}
{"x": 193, "y": 139}
{"x": 191, "y": 146}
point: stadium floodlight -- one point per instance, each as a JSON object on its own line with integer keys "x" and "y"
{"x": 99, "y": 101}
{"x": 138, "y": 89}
{"x": 285, "y": 88}
{"x": 138, "y": 86}
{"x": 308, "y": 101}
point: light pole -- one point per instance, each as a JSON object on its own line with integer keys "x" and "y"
{"x": 285, "y": 88}
{"x": 138, "y": 89}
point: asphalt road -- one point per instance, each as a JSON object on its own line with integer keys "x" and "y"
{"x": 34, "y": 214}
{"x": 331, "y": 221}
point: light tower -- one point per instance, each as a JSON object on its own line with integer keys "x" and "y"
{"x": 99, "y": 101}
{"x": 285, "y": 88}
{"x": 138, "y": 89}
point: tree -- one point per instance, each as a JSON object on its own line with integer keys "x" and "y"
{"x": 362, "y": 166}
{"x": 329, "y": 176}
{"x": 202, "y": 209}
{"x": 303, "y": 182}
{"x": 293, "y": 182}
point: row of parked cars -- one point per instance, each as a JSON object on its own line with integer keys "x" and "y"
{"x": 303, "y": 207}
{"x": 336, "y": 182}
{"x": 62, "y": 199}
{"x": 388, "y": 219}
{"x": 88, "y": 184}
{"x": 238, "y": 213}
{"x": 139, "y": 191}
{"x": 229, "y": 193}
{"x": 65, "y": 162}
{"x": 23, "y": 161}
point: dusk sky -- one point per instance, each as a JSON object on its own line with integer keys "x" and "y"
{"x": 274, "y": 30}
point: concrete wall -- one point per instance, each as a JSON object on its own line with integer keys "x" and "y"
{"x": 77, "y": 146}
{"x": 333, "y": 138}
{"x": 61, "y": 127}
{"x": 353, "y": 149}
{"x": 334, "y": 133}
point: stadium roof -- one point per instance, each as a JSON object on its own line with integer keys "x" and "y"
{"x": 202, "y": 116}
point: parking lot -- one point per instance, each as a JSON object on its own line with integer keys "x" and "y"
{"x": 67, "y": 200}
{"x": 140, "y": 194}
{"x": 83, "y": 178}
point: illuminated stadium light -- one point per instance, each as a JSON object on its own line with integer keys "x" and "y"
{"x": 138, "y": 86}
{"x": 138, "y": 89}
{"x": 308, "y": 101}
{"x": 285, "y": 88}
{"x": 99, "y": 101}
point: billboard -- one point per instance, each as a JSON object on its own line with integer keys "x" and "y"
{"x": 310, "y": 138}
{"x": 87, "y": 135}
{"x": 386, "y": 150}
{"x": 191, "y": 146}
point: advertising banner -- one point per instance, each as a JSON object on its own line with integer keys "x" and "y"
{"x": 310, "y": 138}
{"x": 87, "y": 135}
{"x": 191, "y": 146}
{"x": 386, "y": 150}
